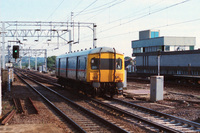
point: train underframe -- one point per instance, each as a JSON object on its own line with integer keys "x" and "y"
{"x": 93, "y": 88}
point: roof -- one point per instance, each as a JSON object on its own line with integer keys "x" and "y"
{"x": 168, "y": 53}
{"x": 90, "y": 51}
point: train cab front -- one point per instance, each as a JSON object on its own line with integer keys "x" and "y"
{"x": 106, "y": 72}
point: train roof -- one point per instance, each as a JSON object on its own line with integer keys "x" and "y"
{"x": 90, "y": 51}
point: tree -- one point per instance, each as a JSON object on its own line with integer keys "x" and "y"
{"x": 51, "y": 62}
{"x": 127, "y": 58}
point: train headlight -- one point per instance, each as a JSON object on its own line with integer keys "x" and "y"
{"x": 95, "y": 77}
{"x": 116, "y": 77}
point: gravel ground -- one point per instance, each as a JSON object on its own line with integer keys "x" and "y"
{"x": 45, "y": 116}
{"x": 178, "y": 100}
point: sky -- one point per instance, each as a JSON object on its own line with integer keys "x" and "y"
{"x": 118, "y": 21}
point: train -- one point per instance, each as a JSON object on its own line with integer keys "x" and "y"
{"x": 97, "y": 71}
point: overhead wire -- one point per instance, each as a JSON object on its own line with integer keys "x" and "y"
{"x": 162, "y": 26}
{"x": 145, "y": 15}
{"x": 69, "y": 16}
{"x": 102, "y": 7}
{"x": 48, "y": 18}
{"x": 133, "y": 14}
{"x": 55, "y": 9}
{"x": 85, "y": 8}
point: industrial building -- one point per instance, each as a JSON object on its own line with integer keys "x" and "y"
{"x": 150, "y": 41}
{"x": 177, "y": 56}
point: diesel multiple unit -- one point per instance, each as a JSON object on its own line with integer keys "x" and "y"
{"x": 99, "y": 70}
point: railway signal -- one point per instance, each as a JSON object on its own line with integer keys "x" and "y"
{"x": 15, "y": 52}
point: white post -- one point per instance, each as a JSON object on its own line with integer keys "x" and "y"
{"x": 158, "y": 65}
{"x": 9, "y": 79}
{"x": 45, "y": 61}
{"x": 35, "y": 63}
{"x": 0, "y": 95}
{"x": 70, "y": 41}
{"x": 159, "y": 62}
{"x": 0, "y": 88}
{"x": 94, "y": 36}
{"x": 3, "y": 45}
{"x": 2, "y": 62}
{"x": 29, "y": 63}
{"x": 20, "y": 63}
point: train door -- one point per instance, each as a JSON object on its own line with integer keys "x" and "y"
{"x": 66, "y": 67}
{"x": 81, "y": 68}
{"x": 77, "y": 66}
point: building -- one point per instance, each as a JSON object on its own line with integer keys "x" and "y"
{"x": 177, "y": 54}
{"x": 171, "y": 63}
{"x": 150, "y": 41}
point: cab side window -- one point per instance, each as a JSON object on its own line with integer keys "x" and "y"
{"x": 119, "y": 63}
{"x": 94, "y": 64}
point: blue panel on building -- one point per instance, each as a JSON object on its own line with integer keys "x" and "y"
{"x": 154, "y": 34}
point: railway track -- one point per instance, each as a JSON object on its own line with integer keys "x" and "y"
{"x": 82, "y": 119}
{"x": 151, "y": 120}
{"x": 42, "y": 78}
{"x": 154, "y": 120}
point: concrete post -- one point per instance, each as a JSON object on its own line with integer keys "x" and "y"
{"x": 94, "y": 36}
{"x": 3, "y": 45}
{"x": 20, "y": 63}
{"x": 9, "y": 74}
{"x": 70, "y": 41}
{"x": 35, "y": 63}
{"x": 29, "y": 63}
{"x": 0, "y": 95}
{"x": 45, "y": 60}
{"x": 159, "y": 53}
{"x": 0, "y": 88}
{"x": 125, "y": 78}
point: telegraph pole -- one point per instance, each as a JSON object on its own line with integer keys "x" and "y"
{"x": 159, "y": 53}
{"x": 35, "y": 62}
{"x": 3, "y": 45}
{"x": 94, "y": 36}
{"x": 45, "y": 60}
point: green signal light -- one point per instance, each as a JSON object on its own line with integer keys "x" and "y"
{"x": 15, "y": 51}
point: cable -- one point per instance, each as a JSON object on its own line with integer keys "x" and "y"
{"x": 47, "y": 19}
{"x": 96, "y": 8}
{"x": 55, "y": 9}
{"x": 136, "y": 12}
{"x": 178, "y": 23}
{"x": 104, "y": 9}
{"x": 146, "y": 15}
{"x": 68, "y": 17}
{"x": 86, "y": 8}
{"x": 77, "y": 5}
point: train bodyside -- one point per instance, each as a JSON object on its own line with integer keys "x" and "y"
{"x": 72, "y": 66}
{"x": 99, "y": 68}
